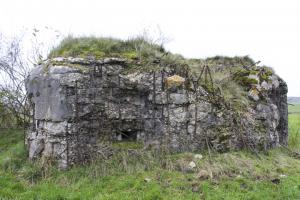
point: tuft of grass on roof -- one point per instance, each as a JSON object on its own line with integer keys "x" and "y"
{"x": 100, "y": 47}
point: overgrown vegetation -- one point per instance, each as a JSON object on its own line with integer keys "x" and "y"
{"x": 6, "y": 117}
{"x": 14, "y": 68}
{"x": 11, "y": 114}
{"x": 137, "y": 174}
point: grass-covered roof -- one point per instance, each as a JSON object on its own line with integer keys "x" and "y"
{"x": 142, "y": 50}
{"x": 99, "y": 47}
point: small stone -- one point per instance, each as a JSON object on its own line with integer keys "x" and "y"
{"x": 192, "y": 165}
{"x": 195, "y": 189}
{"x": 198, "y": 156}
{"x": 147, "y": 180}
{"x": 204, "y": 174}
{"x": 282, "y": 176}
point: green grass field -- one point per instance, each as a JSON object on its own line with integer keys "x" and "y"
{"x": 294, "y": 109}
{"x": 234, "y": 175}
{"x": 294, "y": 126}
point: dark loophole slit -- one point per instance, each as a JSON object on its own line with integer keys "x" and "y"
{"x": 127, "y": 136}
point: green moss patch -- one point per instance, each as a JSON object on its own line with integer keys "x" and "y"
{"x": 243, "y": 76}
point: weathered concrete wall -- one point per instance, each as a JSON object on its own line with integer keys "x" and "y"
{"x": 279, "y": 98}
{"x": 79, "y": 105}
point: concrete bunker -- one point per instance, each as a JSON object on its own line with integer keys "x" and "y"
{"x": 80, "y": 105}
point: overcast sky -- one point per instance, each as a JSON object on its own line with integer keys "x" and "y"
{"x": 266, "y": 30}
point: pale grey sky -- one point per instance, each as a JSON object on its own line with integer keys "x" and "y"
{"x": 266, "y": 30}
